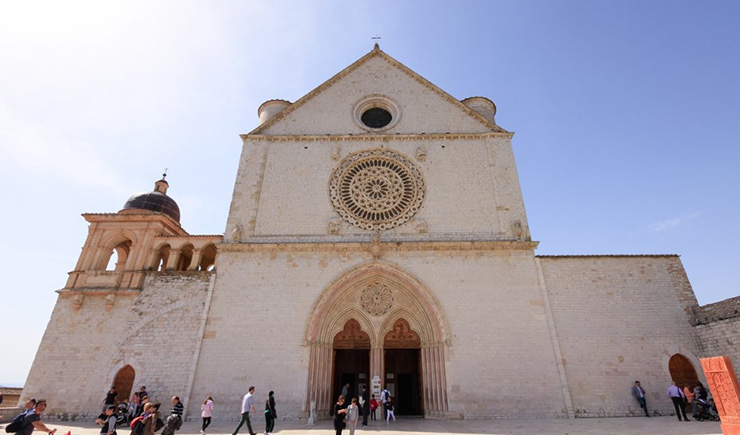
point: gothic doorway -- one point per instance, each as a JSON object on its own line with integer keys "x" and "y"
{"x": 682, "y": 371}
{"x": 402, "y": 368}
{"x": 124, "y": 382}
{"x": 351, "y": 360}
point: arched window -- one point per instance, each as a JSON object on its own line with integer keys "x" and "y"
{"x": 208, "y": 257}
{"x": 186, "y": 256}
{"x": 116, "y": 259}
{"x": 163, "y": 256}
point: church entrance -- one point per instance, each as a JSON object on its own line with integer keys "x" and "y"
{"x": 682, "y": 371}
{"x": 402, "y": 369}
{"x": 124, "y": 382}
{"x": 351, "y": 360}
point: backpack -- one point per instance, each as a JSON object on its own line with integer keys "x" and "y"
{"x": 17, "y": 424}
{"x": 137, "y": 425}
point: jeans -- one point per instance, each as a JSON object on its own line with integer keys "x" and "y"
{"x": 245, "y": 418}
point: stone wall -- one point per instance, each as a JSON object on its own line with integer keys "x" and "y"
{"x": 619, "y": 319}
{"x": 155, "y": 330}
{"x": 718, "y": 329}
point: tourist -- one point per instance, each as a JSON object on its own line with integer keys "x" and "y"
{"x": 151, "y": 416}
{"x": 365, "y": 403}
{"x": 247, "y": 407}
{"x": 677, "y": 396}
{"x": 133, "y": 406}
{"x": 353, "y": 414}
{"x": 339, "y": 415}
{"x": 174, "y": 421}
{"x": 345, "y": 390}
{"x": 206, "y": 411}
{"x": 373, "y": 407}
{"x": 270, "y": 413}
{"x": 389, "y": 409}
{"x": 689, "y": 394}
{"x": 384, "y": 395}
{"x": 639, "y": 393}
{"x": 110, "y": 398}
{"x": 29, "y": 406}
{"x": 32, "y": 421}
{"x": 108, "y": 422}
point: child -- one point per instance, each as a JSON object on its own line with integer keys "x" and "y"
{"x": 373, "y": 407}
{"x": 389, "y": 410}
{"x": 353, "y": 413}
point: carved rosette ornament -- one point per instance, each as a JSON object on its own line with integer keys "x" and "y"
{"x": 376, "y": 189}
{"x": 376, "y": 299}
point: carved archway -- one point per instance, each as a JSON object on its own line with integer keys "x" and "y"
{"x": 376, "y": 295}
{"x": 402, "y": 371}
{"x": 682, "y": 371}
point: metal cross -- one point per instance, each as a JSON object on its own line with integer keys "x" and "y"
{"x": 376, "y": 38}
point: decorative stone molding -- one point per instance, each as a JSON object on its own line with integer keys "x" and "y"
{"x": 421, "y": 153}
{"x": 376, "y": 138}
{"x": 376, "y": 189}
{"x": 77, "y": 301}
{"x": 377, "y": 298}
{"x": 335, "y": 152}
{"x": 236, "y": 233}
{"x": 334, "y": 226}
{"x": 109, "y": 300}
{"x": 420, "y": 227}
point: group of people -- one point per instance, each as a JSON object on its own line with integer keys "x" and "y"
{"x": 681, "y": 398}
{"x": 347, "y": 415}
{"x": 248, "y": 407}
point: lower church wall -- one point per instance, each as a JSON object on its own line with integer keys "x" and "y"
{"x": 718, "y": 330}
{"x": 499, "y": 355}
{"x": 155, "y": 331}
{"x": 618, "y": 320}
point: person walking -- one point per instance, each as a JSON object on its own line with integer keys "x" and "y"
{"x": 389, "y": 410}
{"x": 174, "y": 421}
{"x": 270, "y": 413}
{"x": 247, "y": 407}
{"x": 206, "y": 411}
{"x": 108, "y": 426}
{"x": 338, "y": 415}
{"x": 151, "y": 417}
{"x": 353, "y": 415}
{"x": 639, "y": 393}
{"x": 677, "y": 396}
{"x": 32, "y": 420}
{"x": 384, "y": 395}
{"x": 365, "y": 402}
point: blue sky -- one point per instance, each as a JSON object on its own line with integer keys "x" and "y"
{"x": 625, "y": 113}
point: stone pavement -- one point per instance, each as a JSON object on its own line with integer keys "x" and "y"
{"x": 420, "y": 426}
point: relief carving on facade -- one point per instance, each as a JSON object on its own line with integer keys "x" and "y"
{"x": 334, "y": 226}
{"x": 402, "y": 337}
{"x": 724, "y": 387}
{"x": 352, "y": 337}
{"x": 421, "y": 153}
{"x": 376, "y": 299}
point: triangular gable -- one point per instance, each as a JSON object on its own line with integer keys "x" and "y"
{"x": 482, "y": 123}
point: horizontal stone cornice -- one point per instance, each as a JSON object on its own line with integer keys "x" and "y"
{"x": 375, "y": 137}
{"x": 380, "y": 247}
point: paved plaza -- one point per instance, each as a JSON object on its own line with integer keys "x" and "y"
{"x": 414, "y": 426}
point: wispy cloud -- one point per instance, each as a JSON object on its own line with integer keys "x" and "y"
{"x": 673, "y": 223}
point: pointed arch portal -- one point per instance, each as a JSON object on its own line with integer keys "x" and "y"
{"x": 378, "y": 320}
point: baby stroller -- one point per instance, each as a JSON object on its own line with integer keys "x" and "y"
{"x": 706, "y": 410}
{"x": 122, "y": 414}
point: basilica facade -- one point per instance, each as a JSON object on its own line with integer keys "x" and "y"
{"x": 376, "y": 236}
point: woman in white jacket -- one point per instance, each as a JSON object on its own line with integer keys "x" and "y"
{"x": 206, "y": 412}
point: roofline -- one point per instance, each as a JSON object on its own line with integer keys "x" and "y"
{"x": 376, "y": 51}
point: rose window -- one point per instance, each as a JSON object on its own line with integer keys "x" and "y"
{"x": 376, "y": 298}
{"x": 376, "y": 189}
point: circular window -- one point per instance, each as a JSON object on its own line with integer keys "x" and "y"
{"x": 376, "y": 117}
{"x": 376, "y": 113}
{"x": 376, "y": 189}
